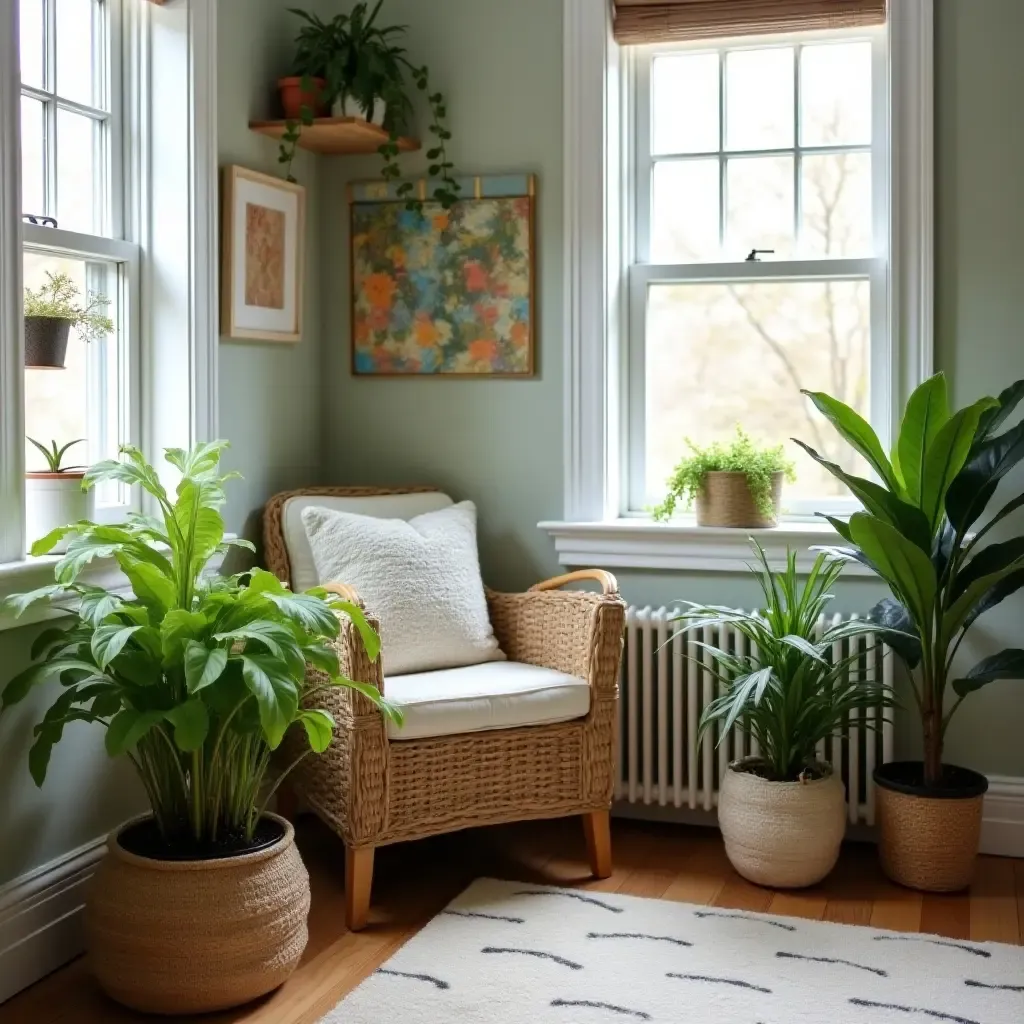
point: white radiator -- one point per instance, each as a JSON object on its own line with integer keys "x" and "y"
{"x": 664, "y": 693}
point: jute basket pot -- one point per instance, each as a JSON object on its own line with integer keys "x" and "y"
{"x": 725, "y": 500}
{"x": 784, "y": 835}
{"x": 176, "y": 937}
{"x": 928, "y": 838}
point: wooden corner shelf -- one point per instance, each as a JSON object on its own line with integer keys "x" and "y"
{"x": 336, "y": 136}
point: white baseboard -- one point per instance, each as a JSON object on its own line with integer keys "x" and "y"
{"x": 1002, "y": 827}
{"x": 41, "y": 918}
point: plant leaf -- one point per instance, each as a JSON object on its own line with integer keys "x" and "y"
{"x": 276, "y": 694}
{"x": 109, "y": 641}
{"x": 1007, "y": 664}
{"x": 191, "y": 723}
{"x": 313, "y": 614}
{"x": 203, "y": 665}
{"x": 926, "y": 413}
{"x": 319, "y": 726}
{"x": 18, "y": 604}
{"x": 127, "y": 727}
{"x": 366, "y": 632}
{"x": 974, "y": 486}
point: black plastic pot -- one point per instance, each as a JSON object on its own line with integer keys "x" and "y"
{"x": 46, "y": 341}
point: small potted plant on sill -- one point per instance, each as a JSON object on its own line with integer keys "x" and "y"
{"x": 51, "y": 312}
{"x": 737, "y": 484}
{"x": 783, "y": 812}
{"x": 365, "y": 71}
{"x": 202, "y": 903}
{"x": 916, "y": 533}
{"x": 55, "y": 496}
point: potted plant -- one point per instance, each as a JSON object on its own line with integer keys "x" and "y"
{"x": 364, "y": 72}
{"x": 737, "y": 484}
{"x": 200, "y": 904}
{"x": 916, "y": 533}
{"x": 783, "y": 812}
{"x": 51, "y": 312}
{"x": 55, "y": 496}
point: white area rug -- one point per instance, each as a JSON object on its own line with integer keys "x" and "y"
{"x": 513, "y": 953}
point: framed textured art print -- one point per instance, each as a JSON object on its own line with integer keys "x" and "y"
{"x": 444, "y": 293}
{"x": 261, "y": 253}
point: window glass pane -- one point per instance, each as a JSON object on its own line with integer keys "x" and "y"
{"x": 685, "y": 103}
{"x": 33, "y": 165}
{"x": 835, "y": 94}
{"x": 759, "y": 205}
{"x": 82, "y": 400}
{"x": 759, "y": 99}
{"x": 684, "y": 221}
{"x": 722, "y": 354}
{"x": 30, "y": 15}
{"x": 80, "y": 51}
{"x": 79, "y": 152}
{"x": 836, "y": 205}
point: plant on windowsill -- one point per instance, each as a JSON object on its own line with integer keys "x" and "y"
{"x": 915, "y": 533}
{"x": 196, "y": 679}
{"x": 55, "y": 496}
{"x": 783, "y": 812}
{"x": 364, "y": 73}
{"x": 50, "y": 313}
{"x": 737, "y": 484}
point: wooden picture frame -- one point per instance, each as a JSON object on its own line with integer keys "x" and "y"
{"x": 262, "y": 256}
{"x": 421, "y": 306}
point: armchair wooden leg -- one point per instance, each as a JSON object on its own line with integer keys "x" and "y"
{"x": 597, "y": 829}
{"x": 358, "y": 882}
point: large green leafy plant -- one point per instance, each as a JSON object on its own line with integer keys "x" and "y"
{"x": 789, "y": 691}
{"x": 915, "y": 532}
{"x": 195, "y": 677}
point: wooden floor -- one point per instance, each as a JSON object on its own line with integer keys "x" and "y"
{"x": 416, "y": 880}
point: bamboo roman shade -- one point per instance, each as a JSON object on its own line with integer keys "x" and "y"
{"x": 676, "y": 21}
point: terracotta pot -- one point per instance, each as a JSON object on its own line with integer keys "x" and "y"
{"x": 783, "y": 835}
{"x": 192, "y": 936}
{"x": 928, "y": 837}
{"x": 294, "y": 97}
{"x": 52, "y": 500}
{"x": 725, "y": 500}
{"x": 46, "y": 342}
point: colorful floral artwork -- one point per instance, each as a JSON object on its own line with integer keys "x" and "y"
{"x": 444, "y": 292}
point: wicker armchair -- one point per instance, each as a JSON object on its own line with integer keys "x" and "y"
{"x": 372, "y": 790}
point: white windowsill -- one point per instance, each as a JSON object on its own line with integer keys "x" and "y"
{"x": 681, "y": 544}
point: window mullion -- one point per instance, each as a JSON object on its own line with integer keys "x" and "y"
{"x": 722, "y": 193}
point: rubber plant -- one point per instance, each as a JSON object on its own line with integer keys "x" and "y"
{"x": 196, "y": 678}
{"x": 741, "y": 455}
{"x": 915, "y": 532}
{"x": 358, "y": 57}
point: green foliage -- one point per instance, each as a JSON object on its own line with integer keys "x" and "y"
{"x": 356, "y": 57}
{"x": 59, "y": 298}
{"x": 741, "y": 455}
{"x": 196, "y": 677}
{"x": 789, "y": 692}
{"x": 54, "y": 456}
{"x": 914, "y": 532}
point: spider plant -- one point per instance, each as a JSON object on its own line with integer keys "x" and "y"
{"x": 789, "y": 691}
{"x": 196, "y": 678}
{"x": 54, "y": 455}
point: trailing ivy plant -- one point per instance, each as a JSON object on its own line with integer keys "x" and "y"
{"x": 741, "y": 455}
{"x": 196, "y": 678}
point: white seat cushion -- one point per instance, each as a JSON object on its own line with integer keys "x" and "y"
{"x": 382, "y": 506}
{"x": 495, "y": 695}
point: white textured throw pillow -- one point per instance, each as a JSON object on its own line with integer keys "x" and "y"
{"x": 420, "y": 578}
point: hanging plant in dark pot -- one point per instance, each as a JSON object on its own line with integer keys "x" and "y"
{"x": 916, "y": 533}
{"x": 52, "y": 311}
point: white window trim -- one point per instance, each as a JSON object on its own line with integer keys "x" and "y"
{"x": 592, "y": 531}
{"x": 176, "y": 70}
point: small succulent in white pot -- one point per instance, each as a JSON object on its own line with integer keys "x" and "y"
{"x": 783, "y": 812}
{"x": 55, "y": 496}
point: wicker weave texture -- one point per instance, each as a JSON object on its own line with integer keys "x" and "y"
{"x": 373, "y": 792}
{"x": 928, "y": 843}
{"x": 195, "y": 936}
{"x": 725, "y": 500}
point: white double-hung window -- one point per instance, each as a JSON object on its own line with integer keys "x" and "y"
{"x": 73, "y": 171}
{"x": 748, "y": 216}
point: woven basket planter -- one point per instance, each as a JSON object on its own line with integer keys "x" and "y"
{"x": 784, "y": 835}
{"x": 725, "y": 500}
{"x": 928, "y": 839}
{"x": 175, "y": 937}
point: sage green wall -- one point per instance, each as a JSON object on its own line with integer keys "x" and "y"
{"x": 500, "y": 442}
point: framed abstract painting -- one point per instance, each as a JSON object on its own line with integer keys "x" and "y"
{"x": 444, "y": 293}
{"x": 261, "y": 256}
